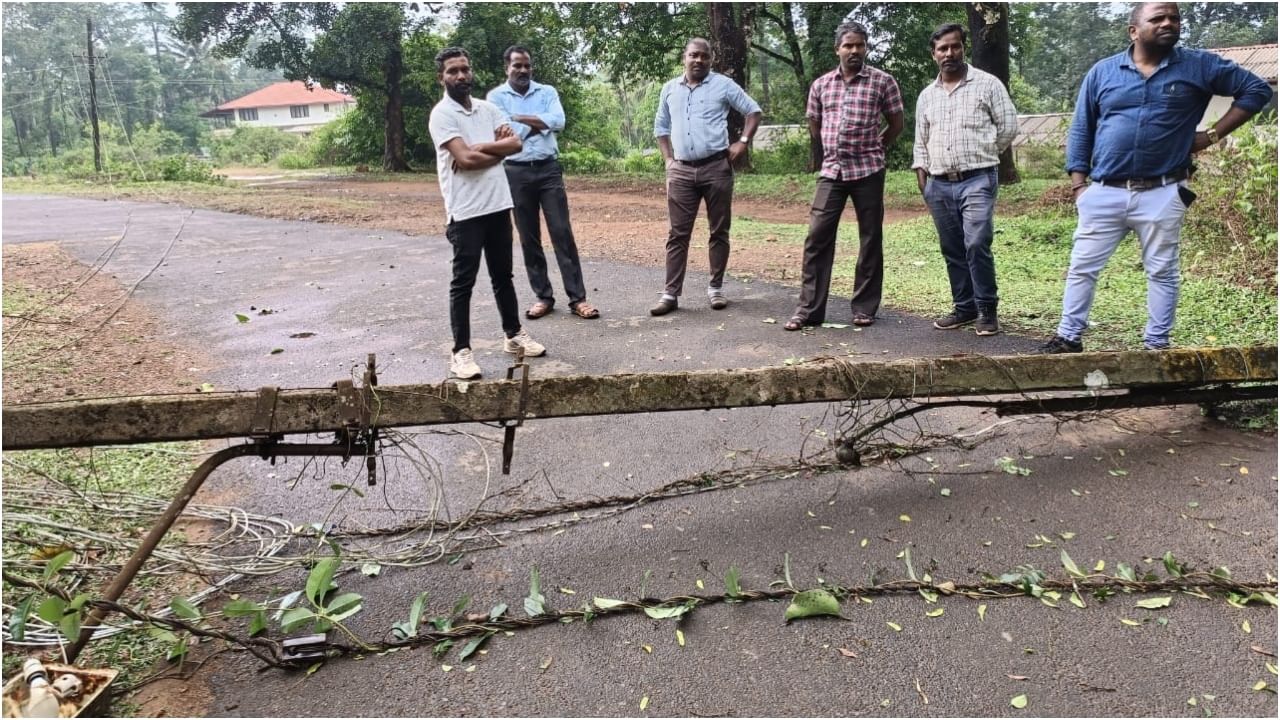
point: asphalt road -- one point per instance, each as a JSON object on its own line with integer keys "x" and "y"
{"x": 1118, "y": 489}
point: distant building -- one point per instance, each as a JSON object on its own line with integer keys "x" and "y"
{"x": 289, "y": 106}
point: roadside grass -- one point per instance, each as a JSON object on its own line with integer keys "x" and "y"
{"x": 154, "y": 470}
{"x": 1032, "y": 253}
{"x": 36, "y": 346}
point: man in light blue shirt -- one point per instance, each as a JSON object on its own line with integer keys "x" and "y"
{"x": 692, "y": 131}
{"x": 537, "y": 182}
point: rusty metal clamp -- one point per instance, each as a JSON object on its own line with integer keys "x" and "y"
{"x": 509, "y": 433}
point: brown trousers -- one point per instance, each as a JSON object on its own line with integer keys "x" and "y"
{"x": 687, "y": 187}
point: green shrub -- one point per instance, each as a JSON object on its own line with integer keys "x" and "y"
{"x": 354, "y": 138}
{"x": 296, "y": 160}
{"x": 1231, "y": 229}
{"x": 641, "y": 162}
{"x": 254, "y": 145}
{"x": 1042, "y": 160}
{"x": 790, "y": 156}
{"x": 584, "y": 162}
{"x": 177, "y": 168}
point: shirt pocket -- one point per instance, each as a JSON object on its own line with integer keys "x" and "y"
{"x": 1178, "y": 95}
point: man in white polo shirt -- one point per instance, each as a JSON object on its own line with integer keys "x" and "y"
{"x": 471, "y": 138}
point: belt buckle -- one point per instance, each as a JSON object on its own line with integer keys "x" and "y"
{"x": 954, "y": 177}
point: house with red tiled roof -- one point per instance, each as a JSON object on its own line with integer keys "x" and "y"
{"x": 289, "y": 106}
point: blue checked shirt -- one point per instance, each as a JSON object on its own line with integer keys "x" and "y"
{"x": 541, "y": 101}
{"x": 697, "y": 118}
{"x": 1127, "y": 126}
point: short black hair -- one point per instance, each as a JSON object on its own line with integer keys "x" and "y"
{"x": 850, "y": 27}
{"x": 506, "y": 54}
{"x": 947, "y": 30}
{"x": 1135, "y": 15}
{"x": 697, "y": 41}
{"x": 447, "y": 54}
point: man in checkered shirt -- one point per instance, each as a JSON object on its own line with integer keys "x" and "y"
{"x": 964, "y": 120}
{"x": 844, "y": 112}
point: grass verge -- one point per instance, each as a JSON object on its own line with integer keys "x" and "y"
{"x": 1032, "y": 253}
{"x": 154, "y": 470}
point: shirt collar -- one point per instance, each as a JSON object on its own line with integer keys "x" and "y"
{"x": 705, "y": 81}
{"x": 1174, "y": 56}
{"x": 968, "y": 76}
{"x": 534, "y": 86}
{"x": 457, "y": 106}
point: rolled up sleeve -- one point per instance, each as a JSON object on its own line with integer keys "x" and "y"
{"x": 662, "y": 121}
{"x": 553, "y": 116}
{"x": 1250, "y": 92}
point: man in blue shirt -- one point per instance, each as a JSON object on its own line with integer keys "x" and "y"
{"x": 1133, "y": 135}
{"x": 692, "y": 131}
{"x": 537, "y": 181}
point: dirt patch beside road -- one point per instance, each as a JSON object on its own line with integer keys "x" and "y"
{"x": 621, "y": 219}
{"x": 71, "y": 332}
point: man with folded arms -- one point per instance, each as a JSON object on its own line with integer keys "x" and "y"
{"x": 692, "y": 131}
{"x": 537, "y": 183}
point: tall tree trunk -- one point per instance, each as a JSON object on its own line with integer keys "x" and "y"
{"x": 989, "y": 28}
{"x": 729, "y": 48}
{"x": 764, "y": 81}
{"x": 393, "y": 145}
{"x": 18, "y": 132}
{"x": 163, "y": 108}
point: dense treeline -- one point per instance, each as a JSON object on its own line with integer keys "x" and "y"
{"x": 161, "y": 65}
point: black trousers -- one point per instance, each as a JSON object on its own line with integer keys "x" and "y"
{"x": 542, "y": 187}
{"x": 820, "y": 246}
{"x": 490, "y": 236}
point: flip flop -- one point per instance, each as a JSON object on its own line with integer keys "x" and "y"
{"x": 863, "y": 320}
{"x": 585, "y": 311}
{"x": 539, "y": 309}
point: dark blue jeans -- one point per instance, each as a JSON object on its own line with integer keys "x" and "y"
{"x": 962, "y": 212}
{"x": 487, "y": 237}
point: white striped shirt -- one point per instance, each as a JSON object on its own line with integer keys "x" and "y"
{"x": 966, "y": 128}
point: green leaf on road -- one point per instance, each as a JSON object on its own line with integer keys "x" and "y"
{"x": 535, "y": 604}
{"x": 1069, "y": 564}
{"x": 1154, "y": 603}
{"x": 810, "y": 603}
{"x": 1019, "y": 701}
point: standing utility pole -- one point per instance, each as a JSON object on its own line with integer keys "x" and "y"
{"x": 93, "y": 101}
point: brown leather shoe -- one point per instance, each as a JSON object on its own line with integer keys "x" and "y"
{"x": 664, "y": 306}
{"x": 538, "y": 309}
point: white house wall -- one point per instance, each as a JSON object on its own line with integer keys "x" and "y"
{"x": 280, "y": 117}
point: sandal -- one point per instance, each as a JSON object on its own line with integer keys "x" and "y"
{"x": 539, "y": 309}
{"x": 794, "y": 324}
{"x": 863, "y": 319}
{"x": 584, "y": 310}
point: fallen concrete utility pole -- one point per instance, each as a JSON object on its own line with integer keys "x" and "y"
{"x": 269, "y": 412}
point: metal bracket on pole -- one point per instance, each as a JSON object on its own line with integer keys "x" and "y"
{"x": 509, "y": 433}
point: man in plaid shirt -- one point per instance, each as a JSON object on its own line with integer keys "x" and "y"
{"x": 964, "y": 120}
{"x": 845, "y": 107}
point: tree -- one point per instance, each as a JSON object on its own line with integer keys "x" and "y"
{"x": 989, "y": 34}
{"x": 729, "y": 24}
{"x": 359, "y": 46}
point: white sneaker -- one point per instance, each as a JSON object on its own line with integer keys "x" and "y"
{"x": 532, "y": 348}
{"x": 463, "y": 365}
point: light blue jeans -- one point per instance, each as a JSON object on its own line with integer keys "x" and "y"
{"x": 1107, "y": 214}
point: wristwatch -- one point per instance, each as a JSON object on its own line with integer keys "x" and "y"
{"x": 1212, "y": 134}
{"x": 744, "y": 140}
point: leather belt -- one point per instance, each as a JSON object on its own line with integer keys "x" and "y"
{"x": 531, "y": 163}
{"x": 1147, "y": 183}
{"x": 706, "y": 160}
{"x": 960, "y": 175}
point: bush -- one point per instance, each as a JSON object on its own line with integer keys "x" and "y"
{"x": 584, "y": 162}
{"x": 296, "y": 160}
{"x": 642, "y": 162}
{"x": 1231, "y": 229}
{"x": 177, "y": 168}
{"x": 1042, "y": 160}
{"x": 788, "y": 157}
{"x": 254, "y": 145}
{"x": 355, "y": 138}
